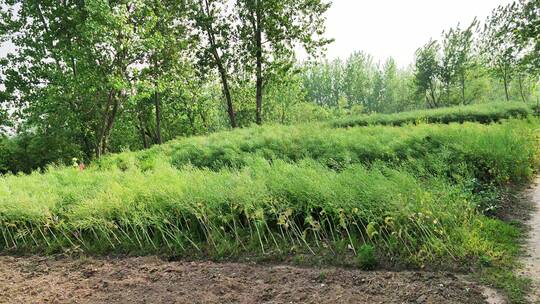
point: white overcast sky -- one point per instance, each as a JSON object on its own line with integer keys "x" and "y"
{"x": 395, "y": 28}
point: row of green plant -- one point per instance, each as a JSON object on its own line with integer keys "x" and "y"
{"x": 267, "y": 208}
{"x": 482, "y": 113}
{"x": 493, "y": 153}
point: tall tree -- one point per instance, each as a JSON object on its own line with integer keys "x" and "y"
{"x": 458, "y": 57}
{"x": 390, "y": 90}
{"x": 498, "y": 47}
{"x": 358, "y": 80}
{"x": 166, "y": 49}
{"x": 427, "y": 69}
{"x": 269, "y": 31}
{"x": 214, "y": 25}
{"x": 526, "y": 28}
{"x": 323, "y": 82}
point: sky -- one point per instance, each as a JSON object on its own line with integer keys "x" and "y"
{"x": 397, "y": 28}
{"x": 393, "y": 28}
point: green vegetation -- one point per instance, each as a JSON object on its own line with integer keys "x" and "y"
{"x": 417, "y": 195}
{"x": 488, "y": 152}
{"x": 141, "y": 74}
{"x": 502, "y": 274}
{"x": 482, "y": 113}
{"x": 411, "y": 195}
{"x": 262, "y": 208}
{"x": 226, "y": 145}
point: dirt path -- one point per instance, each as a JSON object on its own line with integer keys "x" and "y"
{"x": 532, "y": 259}
{"x": 151, "y": 280}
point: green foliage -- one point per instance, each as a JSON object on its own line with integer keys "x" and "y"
{"x": 358, "y": 82}
{"x": 500, "y": 54}
{"x": 366, "y": 257}
{"x": 126, "y": 76}
{"x": 427, "y": 72}
{"x": 409, "y": 194}
{"x": 301, "y": 204}
{"x": 482, "y": 113}
{"x": 439, "y": 148}
{"x": 499, "y": 270}
{"x": 526, "y": 29}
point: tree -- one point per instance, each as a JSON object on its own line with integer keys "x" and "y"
{"x": 427, "y": 71}
{"x": 391, "y": 86}
{"x": 214, "y": 26}
{"x": 282, "y": 95}
{"x": 457, "y": 58}
{"x": 498, "y": 47}
{"x": 4, "y": 118}
{"x": 165, "y": 60}
{"x": 358, "y": 80}
{"x": 73, "y": 69}
{"x": 80, "y": 64}
{"x": 376, "y": 99}
{"x": 526, "y": 28}
{"x": 323, "y": 82}
{"x": 270, "y": 30}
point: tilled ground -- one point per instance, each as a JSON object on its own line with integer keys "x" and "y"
{"x": 151, "y": 280}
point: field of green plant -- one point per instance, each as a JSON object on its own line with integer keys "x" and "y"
{"x": 482, "y": 113}
{"x": 416, "y": 195}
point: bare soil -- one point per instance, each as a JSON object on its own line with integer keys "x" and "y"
{"x": 152, "y": 280}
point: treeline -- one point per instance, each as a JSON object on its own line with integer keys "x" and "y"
{"x": 495, "y": 61}
{"x": 99, "y": 76}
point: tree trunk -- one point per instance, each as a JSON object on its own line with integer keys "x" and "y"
{"x": 520, "y": 81}
{"x": 108, "y": 122}
{"x": 226, "y": 91}
{"x": 203, "y": 118}
{"x": 87, "y": 147}
{"x": 258, "y": 55}
{"x": 205, "y": 9}
{"x": 433, "y": 95}
{"x": 191, "y": 119}
{"x": 142, "y": 132}
{"x": 157, "y": 103}
{"x": 463, "y": 89}
{"x": 448, "y": 93}
{"x": 505, "y": 81}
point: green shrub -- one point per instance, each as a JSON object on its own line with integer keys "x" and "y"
{"x": 366, "y": 257}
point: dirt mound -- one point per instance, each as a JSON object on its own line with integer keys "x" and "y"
{"x": 151, "y": 280}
